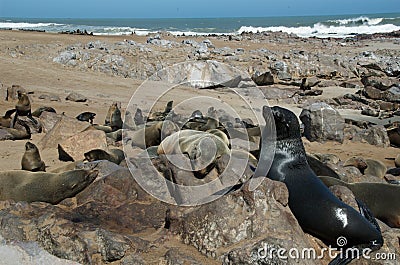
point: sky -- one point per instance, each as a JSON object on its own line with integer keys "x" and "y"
{"x": 190, "y": 8}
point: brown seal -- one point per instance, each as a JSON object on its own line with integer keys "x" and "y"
{"x": 31, "y": 159}
{"x": 20, "y": 185}
{"x": 19, "y": 134}
{"x": 152, "y": 135}
{"x": 23, "y": 108}
{"x": 6, "y": 120}
{"x": 114, "y": 155}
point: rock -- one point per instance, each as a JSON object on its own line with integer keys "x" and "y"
{"x": 3, "y": 93}
{"x": 370, "y": 112}
{"x": 374, "y": 135}
{"x": 76, "y": 97}
{"x": 280, "y": 69}
{"x": 234, "y": 227}
{"x": 49, "y": 120}
{"x": 392, "y": 94}
{"x": 63, "y": 129}
{"x": 12, "y": 92}
{"x": 201, "y": 74}
{"x": 372, "y": 93}
{"x": 65, "y": 57}
{"x": 18, "y": 252}
{"x": 263, "y": 79}
{"x": 381, "y": 83}
{"x": 50, "y": 97}
{"x": 75, "y": 146}
{"x": 175, "y": 257}
{"x": 322, "y": 123}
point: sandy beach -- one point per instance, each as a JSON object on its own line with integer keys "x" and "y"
{"x": 107, "y": 69}
{"x": 26, "y": 60}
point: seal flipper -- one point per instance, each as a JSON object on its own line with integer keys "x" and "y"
{"x": 342, "y": 258}
{"x": 366, "y": 212}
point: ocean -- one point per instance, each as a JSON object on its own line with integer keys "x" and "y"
{"x": 338, "y": 26}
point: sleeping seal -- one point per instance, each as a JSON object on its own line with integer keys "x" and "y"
{"x": 317, "y": 210}
{"x": 20, "y": 185}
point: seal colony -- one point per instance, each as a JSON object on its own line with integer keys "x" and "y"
{"x": 317, "y": 210}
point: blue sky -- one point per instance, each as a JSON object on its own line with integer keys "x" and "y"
{"x": 189, "y": 8}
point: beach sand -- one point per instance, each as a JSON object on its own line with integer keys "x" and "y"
{"x": 33, "y": 69}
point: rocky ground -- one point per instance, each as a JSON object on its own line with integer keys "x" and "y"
{"x": 348, "y": 90}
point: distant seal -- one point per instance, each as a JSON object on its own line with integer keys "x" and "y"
{"x": 23, "y": 108}
{"x": 86, "y": 116}
{"x": 20, "y": 185}
{"x": 31, "y": 159}
{"x": 317, "y": 210}
{"x": 111, "y": 109}
{"x": 383, "y": 199}
{"x": 116, "y": 119}
{"x": 114, "y": 155}
{"x": 40, "y": 110}
{"x": 160, "y": 116}
{"x": 153, "y": 134}
{"x": 368, "y": 167}
{"x": 116, "y": 135}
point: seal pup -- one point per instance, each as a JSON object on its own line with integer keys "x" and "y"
{"x": 86, "y": 116}
{"x": 6, "y": 120}
{"x": 116, "y": 119}
{"x": 31, "y": 159}
{"x": 318, "y": 211}
{"x": 382, "y": 199}
{"x": 20, "y": 185}
{"x": 114, "y": 155}
{"x": 23, "y": 108}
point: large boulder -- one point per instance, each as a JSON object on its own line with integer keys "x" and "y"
{"x": 322, "y": 123}
{"x": 235, "y": 227}
{"x": 76, "y": 146}
{"x": 374, "y": 135}
{"x": 263, "y": 78}
{"x": 201, "y": 74}
{"x": 63, "y": 129}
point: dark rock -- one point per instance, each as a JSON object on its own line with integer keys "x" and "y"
{"x": 175, "y": 257}
{"x": 379, "y": 82}
{"x": 263, "y": 79}
{"x": 370, "y": 112}
{"x": 392, "y": 94}
{"x": 322, "y": 123}
{"x": 374, "y": 135}
{"x": 372, "y": 93}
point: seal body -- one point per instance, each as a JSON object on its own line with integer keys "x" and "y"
{"x": 317, "y": 210}
{"x": 20, "y": 185}
{"x": 383, "y": 199}
{"x": 31, "y": 159}
{"x": 114, "y": 155}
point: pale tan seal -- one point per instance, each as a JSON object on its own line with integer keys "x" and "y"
{"x": 20, "y": 185}
{"x": 110, "y": 111}
{"x": 368, "y": 167}
{"x": 18, "y": 134}
{"x": 202, "y": 148}
{"x": 31, "y": 159}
